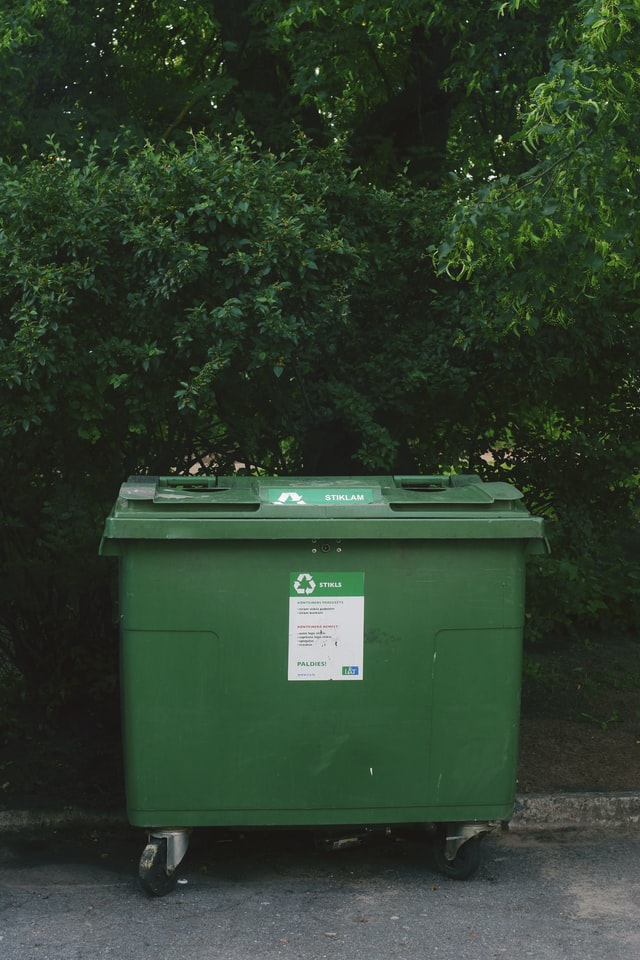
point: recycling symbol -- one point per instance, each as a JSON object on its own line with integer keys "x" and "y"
{"x": 290, "y": 497}
{"x": 304, "y": 584}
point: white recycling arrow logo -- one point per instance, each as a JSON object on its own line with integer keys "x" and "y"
{"x": 289, "y": 496}
{"x": 304, "y": 584}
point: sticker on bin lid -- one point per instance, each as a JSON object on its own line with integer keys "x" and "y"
{"x": 320, "y": 496}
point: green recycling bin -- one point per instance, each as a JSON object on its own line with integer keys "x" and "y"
{"x": 319, "y": 652}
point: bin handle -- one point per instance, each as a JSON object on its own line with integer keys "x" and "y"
{"x": 422, "y": 482}
{"x": 192, "y": 484}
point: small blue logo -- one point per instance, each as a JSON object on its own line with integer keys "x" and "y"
{"x": 350, "y": 671}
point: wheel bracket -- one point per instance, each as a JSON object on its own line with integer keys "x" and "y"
{"x": 177, "y": 844}
{"x": 459, "y": 833}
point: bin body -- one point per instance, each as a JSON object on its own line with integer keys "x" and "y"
{"x": 293, "y": 660}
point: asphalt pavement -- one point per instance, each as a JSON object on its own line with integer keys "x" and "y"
{"x": 71, "y": 893}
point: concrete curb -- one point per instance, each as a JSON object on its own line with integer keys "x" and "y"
{"x": 562, "y": 810}
{"x": 532, "y": 812}
{"x": 14, "y": 820}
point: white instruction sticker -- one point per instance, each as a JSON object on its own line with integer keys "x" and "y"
{"x": 326, "y": 626}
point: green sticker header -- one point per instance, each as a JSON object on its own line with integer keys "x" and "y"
{"x": 314, "y": 584}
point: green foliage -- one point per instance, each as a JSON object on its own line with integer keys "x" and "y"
{"x": 84, "y": 72}
{"x": 547, "y": 274}
{"x": 433, "y": 87}
{"x": 568, "y": 216}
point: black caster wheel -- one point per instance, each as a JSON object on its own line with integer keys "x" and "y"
{"x": 464, "y": 864}
{"x": 153, "y": 869}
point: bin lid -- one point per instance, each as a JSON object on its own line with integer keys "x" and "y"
{"x": 238, "y": 507}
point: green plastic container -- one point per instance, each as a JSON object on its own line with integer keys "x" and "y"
{"x": 320, "y": 651}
